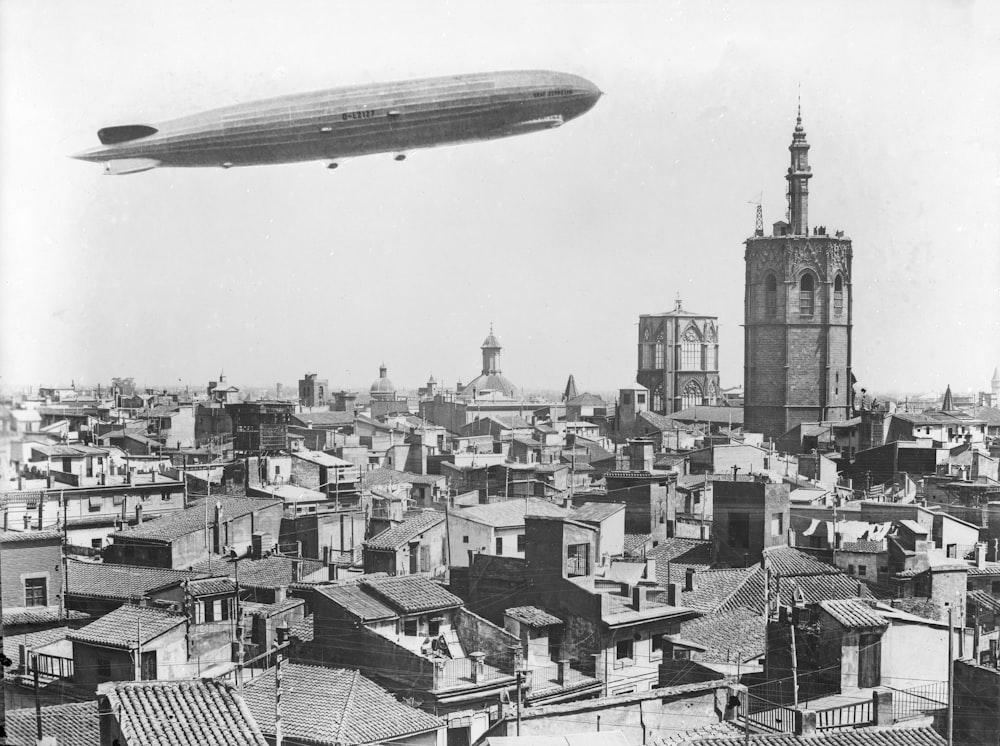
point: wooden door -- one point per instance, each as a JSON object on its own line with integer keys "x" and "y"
{"x": 870, "y": 660}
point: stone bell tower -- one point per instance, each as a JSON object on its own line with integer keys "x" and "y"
{"x": 797, "y": 315}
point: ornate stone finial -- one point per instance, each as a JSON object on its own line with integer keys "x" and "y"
{"x": 677, "y": 303}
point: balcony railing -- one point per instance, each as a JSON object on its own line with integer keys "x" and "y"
{"x": 915, "y": 702}
{"x": 559, "y": 674}
{"x": 466, "y": 672}
{"x": 847, "y": 716}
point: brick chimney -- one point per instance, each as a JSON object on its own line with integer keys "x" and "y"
{"x": 981, "y": 555}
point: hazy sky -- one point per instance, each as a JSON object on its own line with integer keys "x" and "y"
{"x": 560, "y": 238}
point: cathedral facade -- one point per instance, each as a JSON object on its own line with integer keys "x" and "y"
{"x": 798, "y": 315}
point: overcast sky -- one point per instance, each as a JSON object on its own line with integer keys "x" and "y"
{"x": 560, "y": 238}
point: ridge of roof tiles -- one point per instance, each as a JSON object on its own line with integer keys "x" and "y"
{"x": 413, "y": 524}
{"x": 268, "y": 572}
{"x": 126, "y": 626}
{"x": 511, "y": 513}
{"x": 731, "y": 636}
{"x": 334, "y": 706}
{"x": 532, "y": 616}
{"x": 412, "y": 593}
{"x": 74, "y": 724}
{"x": 106, "y": 580}
{"x": 11, "y": 537}
{"x": 853, "y": 614}
{"x": 357, "y": 602}
{"x": 183, "y": 713}
{"x": 925, "y": 736}
{"x": 183, "y": 522}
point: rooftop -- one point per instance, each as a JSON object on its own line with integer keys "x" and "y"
{"x": 105, "y": 580}
{"x": 412, "y": 593}
{"x": 183, "y": 522}
{"x": 268, "y": 572}
{"x": 183, "y": 713}
{"x": 734, "y": 636}
{"x": 358, "y": 603}
{"x": 596, "y": 511}
{"x": 71, "y": 724}
{"x": 925, "y": 736}
{"x": 532, "y": 616}
{"x": 510, "y": 513}
{"x": 853, "y": 614}
{"x": 334, "y": 706}
{"x": 412, "y": 526}
{"x": 126, "y": 626}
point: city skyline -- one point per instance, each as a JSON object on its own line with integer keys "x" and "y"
{"x": 561, "y": 240}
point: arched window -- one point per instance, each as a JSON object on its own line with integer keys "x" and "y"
{"x": 838, "y": 296}
{"x": 692, "y": 395}
{"x": 807, "y": 291}
{"x": 659, "y": 355}
{"x": 658, "y": 399}
{"x": 770, "y": 296}
{"x": 713, "y": 394}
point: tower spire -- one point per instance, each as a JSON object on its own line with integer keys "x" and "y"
{"x": 798, "y": 177}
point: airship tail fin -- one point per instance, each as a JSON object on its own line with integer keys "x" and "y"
{"x": 124, "y": 133}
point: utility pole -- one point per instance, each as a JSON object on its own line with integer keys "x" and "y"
{"x": 279, "y": 654}
{"x": 951, "y": 677}
{"x": 38, "y": 697}
{"x": 520, "y": 673}
{"x": 65, "y": 555}
{"x": 795, "y": 667}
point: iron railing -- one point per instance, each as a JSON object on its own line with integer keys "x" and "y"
{"x": 919, "y": 700}
{"x": 853, "y": 715}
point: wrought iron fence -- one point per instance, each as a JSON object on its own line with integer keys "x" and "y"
{"x": 769, "y": 716}
{"x": 919, "y": 700}
{"x": 846, "y": 716}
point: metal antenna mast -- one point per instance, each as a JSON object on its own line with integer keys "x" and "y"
{"x": 759, "y": 227}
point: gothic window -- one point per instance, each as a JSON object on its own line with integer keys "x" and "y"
{"x": 807, "y": 291}
{"x": 838, "y": 296}
{"x": 713, "y": 394}
{"x": 712, "y": 355}
{"x": 647, "y": 356}
{"x": 659, "y": 355}
{"x": 770, "y": 296}
{"x": 692, "y": 395}
{"x": 658, "y": 399}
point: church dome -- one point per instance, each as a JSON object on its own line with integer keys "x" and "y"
{"x": 382, "y": 387}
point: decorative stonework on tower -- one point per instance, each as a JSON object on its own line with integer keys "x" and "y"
{"x": 798, "y": 315}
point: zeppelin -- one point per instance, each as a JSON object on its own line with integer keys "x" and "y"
{"x": 347, "y": 122}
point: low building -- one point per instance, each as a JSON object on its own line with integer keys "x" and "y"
{"x": 31, "y": 575}
{"x": 494, "y": 528}
{"x": 413, "y": 636}
{"x": 418, "y": 544}
{"x": 187, "y": 537}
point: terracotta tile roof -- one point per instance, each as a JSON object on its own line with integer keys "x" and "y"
{"x": 412, "y": 526}
{"x": 357, "y": 602}
{"x": 302, "y": 630}
{"x": 728, "y": 637}
{"x": 41, "y": 615}
{"x": 74, "y": 724}
{"x": 183, "y": 522}
{"x": 712, "y": 588}
{"x": 183, "y": 713}
{"x": 105, "y": 580}
{"x": 813, "y": 589}
{"x": 510, "y": 513}
{"x": 596, "y": 511}
{"x": 323, "y": 420}
{"x": 334, "y": 706}
{"x": 123, "y": 626}
{"x": 412, "y": 593}
{"x": 10, "y": 537}
{"x": 681, "y": 554}
{"x": 853, "y": 614}
{"x": 211, "y": 587}
{"x": 532, "y": 616}
{"x": 866, "y": 546}
{"x": 382, "y": 476}
{"x": 862, "y": 737}
{"x": 634, "y": 542}
{"x": 990, "y": 568}
{"x": 275, "y": 571}
{"x": 786, "y": 561}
